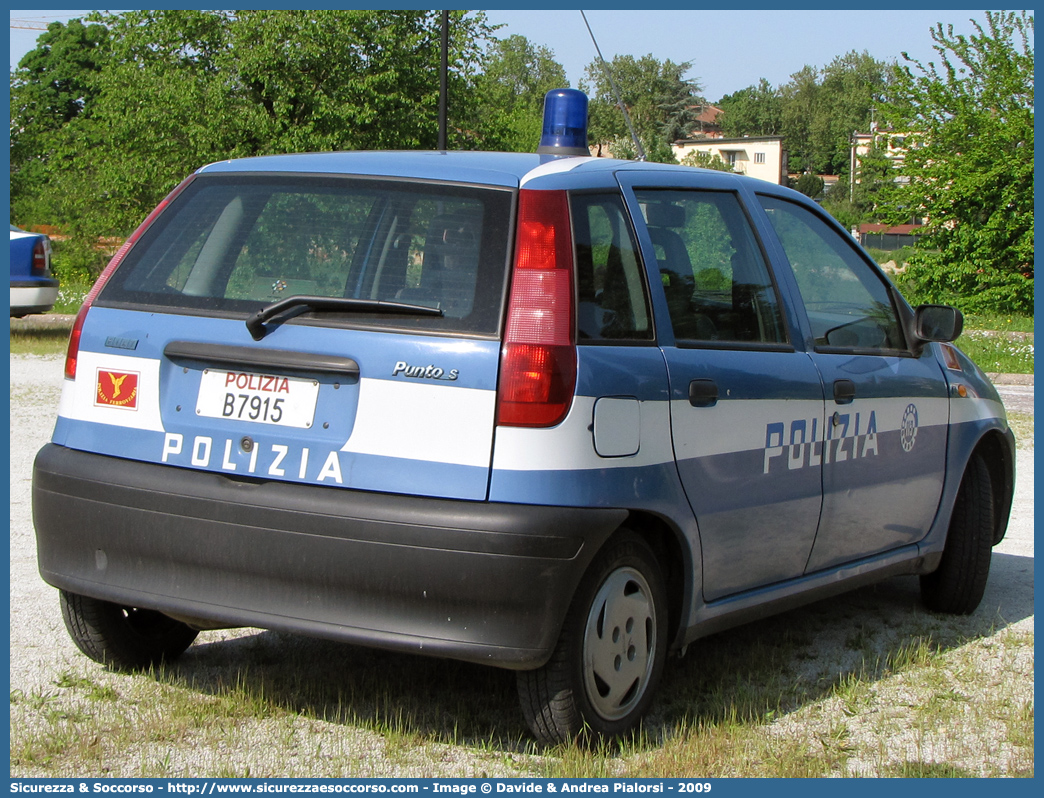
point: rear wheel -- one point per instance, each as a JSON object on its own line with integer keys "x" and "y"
{"x": 123, "y": 638}
{"x": 604, "y": 670}
{"x": 959, "y": 582}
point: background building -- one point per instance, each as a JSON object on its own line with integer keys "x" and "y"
{"x": 762, "y": 157}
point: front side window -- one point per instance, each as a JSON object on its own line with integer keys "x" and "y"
{"x": 849, "y": 306}
{"x": 713, "y": 272}
{"x": 233, "y": 243}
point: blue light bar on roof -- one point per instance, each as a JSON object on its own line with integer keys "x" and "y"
{"x": 565, "y": 123}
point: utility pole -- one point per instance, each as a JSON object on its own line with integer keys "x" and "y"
{"x": 851, "y": 168}
{"x": 442, "y": 80}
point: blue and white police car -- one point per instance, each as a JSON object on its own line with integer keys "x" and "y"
{"x": 554, "y": 413}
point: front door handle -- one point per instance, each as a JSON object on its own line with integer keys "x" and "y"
{"x": 703, "y": 393}
{"x": 844, "y": 391}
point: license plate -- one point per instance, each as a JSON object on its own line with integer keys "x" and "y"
{"x": 261, "y": 398}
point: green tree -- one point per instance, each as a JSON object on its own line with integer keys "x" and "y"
{"x": 815, "y": 112}
{"x": 515, "y": 77}
{"x": 871, "y": 197}
{"x": 838, "y": 203}
{"x": 55, "y": 81}
{"x": 662, "y": 102}
{"x": 53, "y": 84}
{"x": 851, "y": 87}
{"x": 874, "y": 189}
{"x": 160, "y": 109}
{"x": 969, "y": 162}
{"x": 352, "y": 79}
{"x": 801, "y": 115}
{"x": 821, "y": 109}
{"x": 753, "y": 111}
{"x": 810, "y": 185}
{"x": 181, "y": 88}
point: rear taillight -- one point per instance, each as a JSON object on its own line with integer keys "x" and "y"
{"x": 74, "y": 337}
{"x": 538, "y": 359}
{"x": 41, "y": 258}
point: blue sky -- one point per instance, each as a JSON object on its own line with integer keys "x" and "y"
{"x": 729, "y": 50}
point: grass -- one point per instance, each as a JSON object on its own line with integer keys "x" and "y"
{"x": 70, "y": 296}
{"x": 1003, "y": 352}
{"x": 40, "y": 341}
{"x": 913, "y": 695}
{"x": 999, "y": 342}
{"x": 293, "y": 720}
{"x": 1022, "y": 425}
{"x": 1001, "y": 322}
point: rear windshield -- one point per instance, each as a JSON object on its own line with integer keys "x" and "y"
{"x": 231, "y": 244}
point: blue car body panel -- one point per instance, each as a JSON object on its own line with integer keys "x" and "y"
{"x": 358, "y": 420}
{"x": 22, "y": 255}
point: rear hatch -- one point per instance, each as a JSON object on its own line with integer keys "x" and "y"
{"x": 371, "y": 354}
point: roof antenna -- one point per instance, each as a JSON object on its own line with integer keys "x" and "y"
{"x": 619, "y": 100}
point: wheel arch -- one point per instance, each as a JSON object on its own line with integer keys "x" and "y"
{"x": 997, "y": 451}
{"x": 675, "y": 558}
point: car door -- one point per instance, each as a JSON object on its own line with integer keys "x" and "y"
{"x": 884, "y": 459}
{"x": 746, "y": 404}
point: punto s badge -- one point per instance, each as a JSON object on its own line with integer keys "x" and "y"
{"x": 430, "y": 372}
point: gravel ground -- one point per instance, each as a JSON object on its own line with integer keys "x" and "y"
{"x": 42, "y": 654}
{"x": 1017, "y": 396}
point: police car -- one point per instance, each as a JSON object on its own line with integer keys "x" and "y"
{"x": 553, "y": 413}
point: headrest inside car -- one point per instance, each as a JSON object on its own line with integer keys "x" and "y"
{"x": 661, "y": 214}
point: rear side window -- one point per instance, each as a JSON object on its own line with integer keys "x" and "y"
{"x": 235, "y": 243}
{"x": 715, "y": 278}
{"x": 612, "y": 300}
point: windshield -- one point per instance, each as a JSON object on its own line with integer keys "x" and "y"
{"x": 234, "y": 243}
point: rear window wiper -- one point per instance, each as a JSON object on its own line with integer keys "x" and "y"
{"x": 293, "y": 305}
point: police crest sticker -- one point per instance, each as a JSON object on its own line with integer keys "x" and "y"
{"x": 117, "y": 389}
{"x": 908, "y": 430}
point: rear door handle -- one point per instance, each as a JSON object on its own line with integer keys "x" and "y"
{"x": 844, "y": 391}
{"x": 703, "y": 393}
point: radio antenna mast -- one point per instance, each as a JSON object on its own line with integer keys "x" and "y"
{"x": 616, "y": 90}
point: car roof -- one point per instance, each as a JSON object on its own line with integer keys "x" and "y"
{"x": 501, "y": 169}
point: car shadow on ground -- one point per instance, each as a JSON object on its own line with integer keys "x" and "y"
{"x": 755, "y": 672}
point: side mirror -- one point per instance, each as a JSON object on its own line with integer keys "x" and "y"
{"x": 939, "y": 323}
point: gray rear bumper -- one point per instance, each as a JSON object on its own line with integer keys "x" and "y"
{"x": 475, "y": 581}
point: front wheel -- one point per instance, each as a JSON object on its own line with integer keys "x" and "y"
{"x": 123, "y": 638}
{"x": 959, "y": 582}
{"x": 607, "y": 663}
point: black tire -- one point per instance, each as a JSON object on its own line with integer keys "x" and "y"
{"x": 123, "y": 638}
{"x": 958, "y": 584}
{"x": 609, "y": 657}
